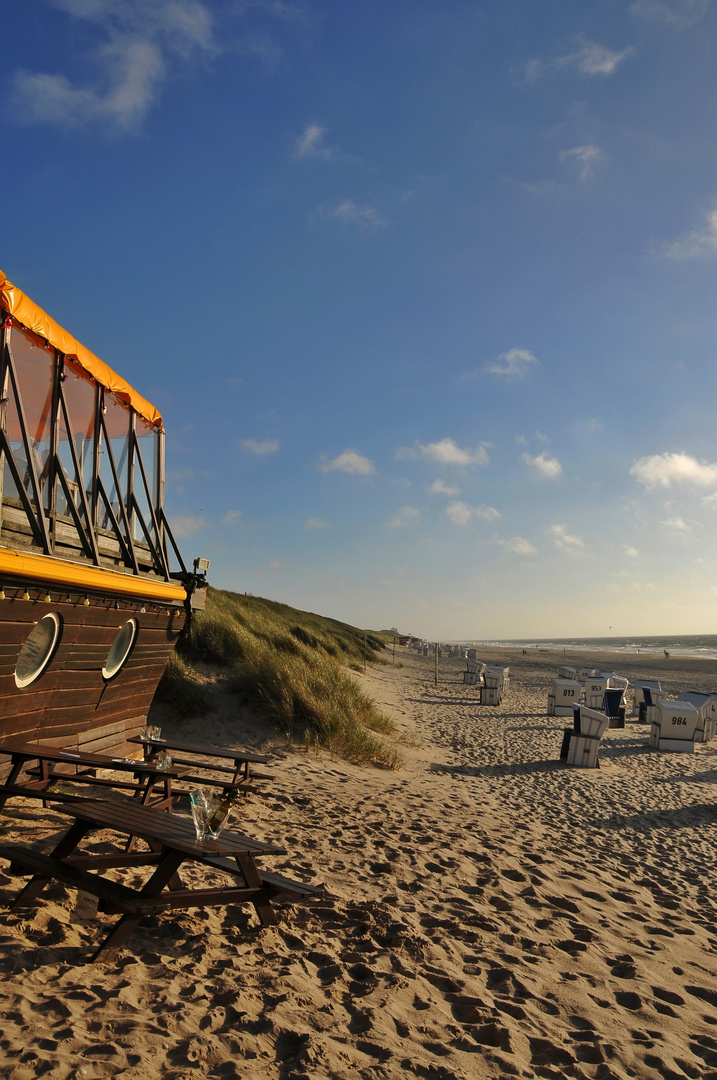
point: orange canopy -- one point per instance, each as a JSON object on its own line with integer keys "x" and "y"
{"x": 22, "y": 308}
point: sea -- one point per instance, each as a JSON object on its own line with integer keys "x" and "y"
{"x": 704, "y": 645}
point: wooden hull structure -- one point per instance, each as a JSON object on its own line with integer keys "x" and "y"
{"x": 93, "y": 590}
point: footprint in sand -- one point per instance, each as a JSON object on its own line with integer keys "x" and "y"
{"x": 628, "y": 1000}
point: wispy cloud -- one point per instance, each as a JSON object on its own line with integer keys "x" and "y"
{"x": 631, "y": 551}
{"x": 516, "y": 544}
{"x": 438, "y": 487}
{"x": 311, "y": 144}
{"x": 513, "y": 364}
{"x": 677, "y": 13}
{"x": 587, "y": 159}
{"x": 445, "y": 452}
{"x": 349, "y": 462}
{"x": 588, "y": 58}
{"x": 700, "y": 243}
{"x": 260, "y": 448}
{"x": 186, "y": 526}
{"x": 677, "y": 523}
{"x": 366, "y": 218}
{"x": 544, "y": 466}
{"x": 230, "y": 517}
{"x": 316, "y": 523}
{"x": 141, "y": 41}
{"x": 407, "y": 515}
{"x": 570, "y": 545}
{"x": 663, "y": 470}
{"x": 460, "y": 513}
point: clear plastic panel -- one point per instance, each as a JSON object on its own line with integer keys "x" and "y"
{"x": 117, "y": 424}
{"x": 34, "y": 365}
{"x": 80, "y": 395}
{"x": 147, "y": 440}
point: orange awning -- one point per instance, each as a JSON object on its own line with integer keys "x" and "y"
{"x": 22, "y": 308}
{"x": 50, "y": 572}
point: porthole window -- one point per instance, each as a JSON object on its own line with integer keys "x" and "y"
{"x": 37, "y": 649}
{"x": 120, "y": 649}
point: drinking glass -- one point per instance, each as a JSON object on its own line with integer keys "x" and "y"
{"x": 163, "y": 760}
{"x": 145, "y": 734}
{"x": 202, "y": 809}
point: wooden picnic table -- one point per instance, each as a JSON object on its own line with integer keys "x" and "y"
{"x": 172, "y": 842}
{"x": 237, "y": 775}
{"x": 147, "y": 774}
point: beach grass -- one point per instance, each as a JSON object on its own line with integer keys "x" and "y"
{"x": 290, "y": 664}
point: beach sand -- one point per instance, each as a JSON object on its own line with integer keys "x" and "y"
{"x": 489, "y": 912}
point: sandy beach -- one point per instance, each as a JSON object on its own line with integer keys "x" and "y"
{"x": 488, "y": 911}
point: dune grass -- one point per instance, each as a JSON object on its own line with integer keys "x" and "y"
{"x": 291, "y": 665}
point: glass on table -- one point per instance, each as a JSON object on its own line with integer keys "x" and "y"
{"x": 163, "y": 760}
{"x": 202, "y": 801}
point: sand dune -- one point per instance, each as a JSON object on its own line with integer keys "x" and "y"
{"x": 488, "y": 912}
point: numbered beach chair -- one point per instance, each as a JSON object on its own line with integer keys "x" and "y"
{"x": 675, "y": 727}
{"x": 613, "y": 707}
{"x": 581, "y": 742}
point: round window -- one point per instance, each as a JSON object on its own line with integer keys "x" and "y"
{"x": 37, "y": 649}
{"x": 120, "y": 649}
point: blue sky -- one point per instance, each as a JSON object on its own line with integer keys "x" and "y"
{"x": 424, "y": 291}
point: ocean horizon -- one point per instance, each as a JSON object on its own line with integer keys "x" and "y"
{"x": 702, "y": 645}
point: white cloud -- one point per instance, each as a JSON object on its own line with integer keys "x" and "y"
{"x": 268, "y": 446}
{"x": 461, "y": 513}
{"x": 662, "y": 470}
{"x": 446, "y": 452}
{"x": 676, "y": 523}
{"x": 678, "y": 13}
{"x": 142, "y": 40}
{"x": 186, "y": 526}
{"x": 563, "y": 541}
{"x": 700, "y": 243}
{"x": 231, "y": 516}
{"x": 587, "y": 158}
{"x": 316, "y": 523}
{"x": 588, "y": 59}
{"x": 517, "y": 544}
{"x": 438, "y": 487}
{"x": 311, "y": 144}
{"x": 367, "y": 218}
{"x": 513, "y": 364}
{"x": 631, "y": 551}
{"x": 407, "y": 515}
{"x": 349, "y": 462}
{"x": 545, "y": 467}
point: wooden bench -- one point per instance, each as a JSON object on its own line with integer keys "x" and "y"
{"x": 192, "y": 755}
{"x": 172, "y": 841}
{"x": 282, "y": 887}
{"x": 44, "y": 775}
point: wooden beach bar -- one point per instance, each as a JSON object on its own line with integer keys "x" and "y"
{"x": 93, "y": 589}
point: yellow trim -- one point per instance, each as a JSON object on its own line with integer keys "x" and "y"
{"x": 49, "y": 570}
{"x": 27, "y": 312}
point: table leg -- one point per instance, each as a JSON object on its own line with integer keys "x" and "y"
{"x": 17, "y": 764}
{"x": 67, "y": 844}
{"x": 253, "y": 880}
{"x": 165, "y": 874}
